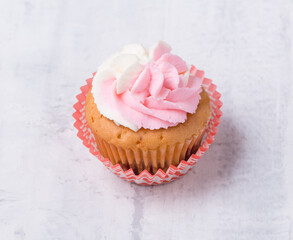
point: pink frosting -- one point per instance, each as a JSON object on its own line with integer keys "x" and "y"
{"x": 161, "y": 95}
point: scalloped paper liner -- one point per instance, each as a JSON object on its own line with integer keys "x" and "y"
{"x": 151, "y": 160}
{"x": 145, "y": 177}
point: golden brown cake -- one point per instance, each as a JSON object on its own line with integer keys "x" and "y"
{"x": 148, "y": 149}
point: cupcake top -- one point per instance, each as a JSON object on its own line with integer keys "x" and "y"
{"x": 146, "y": 88}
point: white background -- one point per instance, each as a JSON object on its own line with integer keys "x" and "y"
{"x": 51, "y": 187}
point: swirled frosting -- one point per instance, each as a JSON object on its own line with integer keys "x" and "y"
{"x": 146, "y": 88}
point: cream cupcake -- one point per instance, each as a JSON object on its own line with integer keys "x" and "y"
{"x": 147, "y": 108}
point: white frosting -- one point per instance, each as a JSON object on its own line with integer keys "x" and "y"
{"x": 124, "y": 66}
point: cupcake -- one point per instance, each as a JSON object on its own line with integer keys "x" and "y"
{"x": 147, "y": 108}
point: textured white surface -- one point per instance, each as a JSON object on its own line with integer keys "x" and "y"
{"x": 51, "y": 187}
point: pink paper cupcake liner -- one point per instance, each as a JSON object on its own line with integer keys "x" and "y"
{"x": 145, "y": 178}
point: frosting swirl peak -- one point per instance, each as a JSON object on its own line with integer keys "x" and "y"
{"x": 152, "y": 89}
